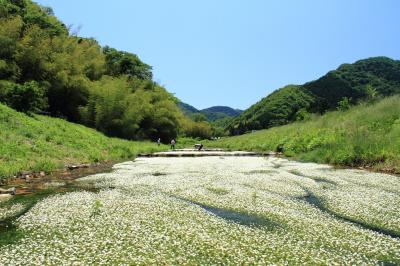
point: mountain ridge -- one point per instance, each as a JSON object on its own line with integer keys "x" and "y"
{"x": 212, "y": 113}
{"x": 362, "y": 80}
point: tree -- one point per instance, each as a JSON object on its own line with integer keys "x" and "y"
{"x": 199, "y": 117}
{"x": 123, "y": 63}
{"x": 344, "y": 104}
{"x": 44, "y": 68}
{"x": 302, "y": 114}
{"x": 28, "y": 97}
{"x": 370, "y": 93}
{"x": 201, "y": 130}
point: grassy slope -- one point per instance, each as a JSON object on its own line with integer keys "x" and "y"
{"x": 45, "y": 143}
{"x": 365, "y": 135}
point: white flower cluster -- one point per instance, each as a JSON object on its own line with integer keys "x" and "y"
{"x": 215, "y": 210}
{"x": 10, "y": 210}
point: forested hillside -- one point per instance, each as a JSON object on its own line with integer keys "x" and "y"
{"x": 46, "y": 69}
{"x": 349, "y": 84}
{"x": 220, "y": 112}
{"x": 366, "y": 135}
{"x": 187, "y": 109}
{"x": 211, "y": 113}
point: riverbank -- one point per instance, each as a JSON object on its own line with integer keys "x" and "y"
{"x": 42, "y": 144}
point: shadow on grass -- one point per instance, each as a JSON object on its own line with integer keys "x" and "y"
{"x": 235, "y": 216}
{"x": 262, "y": 171}
{"x": 316, "y": 179}
{"x": 9, "y": 232}
{"x": 316, "y": 202}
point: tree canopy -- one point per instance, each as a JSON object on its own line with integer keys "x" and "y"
{"x": 44, "y": 68}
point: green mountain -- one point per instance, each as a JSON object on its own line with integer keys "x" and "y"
{"x": 212, "y": 113}
{"x": 220, "y": 112}
{"x": 187, "y": 109}
{"x": 362, "y": 80}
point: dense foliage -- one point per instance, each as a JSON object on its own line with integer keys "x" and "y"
{"x": 365, "y": 135}
{"x": 123, "y": 63}
{"x": 45, "y": 69}
{"x": 364, "y": 80}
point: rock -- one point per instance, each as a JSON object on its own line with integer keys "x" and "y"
{"x": 10, "y": 191}
{"x": 72, "y": 167}
{"x": 25, "y": 173}
{"x": 42, "y": 174}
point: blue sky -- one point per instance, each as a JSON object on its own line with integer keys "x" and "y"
{"x": 234, "y": 52}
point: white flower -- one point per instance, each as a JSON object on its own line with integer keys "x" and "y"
{"x": 207, "y": 210}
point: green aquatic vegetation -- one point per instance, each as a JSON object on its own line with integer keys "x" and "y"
{"x": 218, "y": 190}
{"x": 97, "y": 206}
{"x": 278, "y": 218}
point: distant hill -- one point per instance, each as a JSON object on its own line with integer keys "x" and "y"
{"x": 187, "y": 109}
{"x": 218, "y": 112}
{"x": 212, "y": 113}
{"x": 372, "y": 77}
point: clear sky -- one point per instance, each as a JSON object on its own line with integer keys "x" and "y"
{"x": 234, "y": 52}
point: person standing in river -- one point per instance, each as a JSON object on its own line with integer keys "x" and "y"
{"x": 173, "y": 144}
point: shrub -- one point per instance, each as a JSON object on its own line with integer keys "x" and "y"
{"x": 344, "y": 104}
{"x": 28, "y": 97}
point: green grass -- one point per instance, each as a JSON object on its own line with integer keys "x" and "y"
{"x": 367, "y": 135}
{"x": 42, "y": 143}
{"x": 186, "y": 142}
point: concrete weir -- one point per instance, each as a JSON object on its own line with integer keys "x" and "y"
{"x": 205, "y": 152}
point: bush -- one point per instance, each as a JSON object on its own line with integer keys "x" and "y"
{"x": 302, "y": 114}
{"x": 344, "y": 104}
{"x": 28, "y": 97}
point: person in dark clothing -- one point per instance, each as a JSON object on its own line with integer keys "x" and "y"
{"x": 200, "y": 147}
{"x": 173, "y": 144}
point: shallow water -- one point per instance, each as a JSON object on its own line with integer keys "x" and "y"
{"x": 217, "y": 210}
